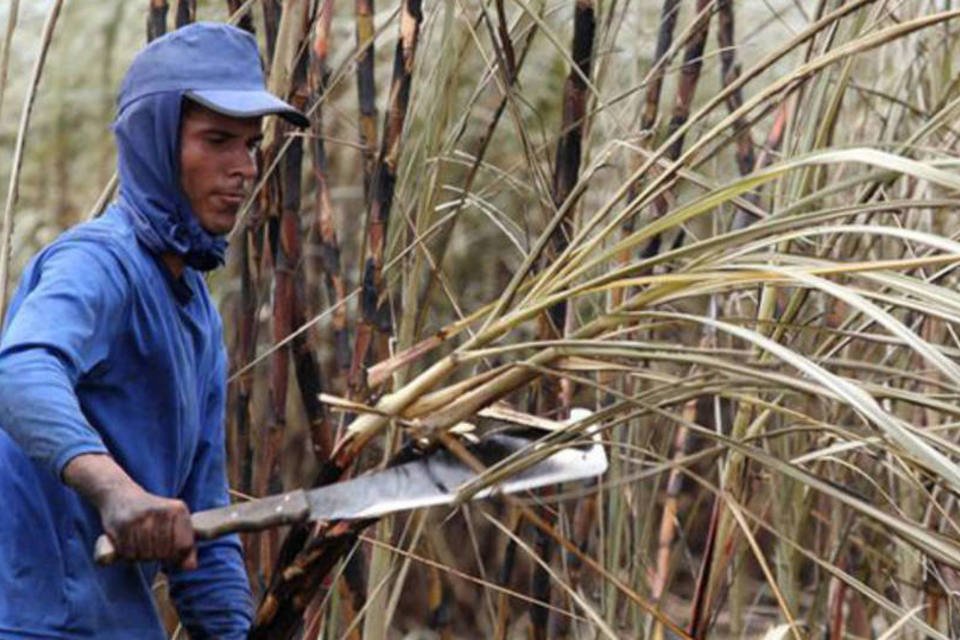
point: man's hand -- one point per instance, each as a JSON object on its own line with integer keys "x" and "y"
{"x": 142, "y": 526}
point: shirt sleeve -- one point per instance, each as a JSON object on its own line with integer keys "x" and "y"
{"x": 213, "y": 601}
{"x": 60, "y": 329}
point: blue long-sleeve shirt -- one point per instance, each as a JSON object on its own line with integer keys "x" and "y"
{"x": 104, "y": 352}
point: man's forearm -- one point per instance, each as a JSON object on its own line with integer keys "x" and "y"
{"x": 97, "y": 477}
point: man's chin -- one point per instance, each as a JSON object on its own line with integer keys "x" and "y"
{"x": 220, "y": 226}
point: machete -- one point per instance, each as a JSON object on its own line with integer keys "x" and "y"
{"x": 432, "y": 480}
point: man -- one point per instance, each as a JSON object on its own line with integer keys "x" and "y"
{"x": 113, "y": 371}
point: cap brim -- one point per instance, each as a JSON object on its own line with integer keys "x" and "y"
{"x": 248, "y": 104}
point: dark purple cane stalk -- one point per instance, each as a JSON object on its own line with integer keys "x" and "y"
{"x": 555, "y": 398}
{"x": 366, "y": 92}
{"x": 246, "y": 20}
{"x": 325, "y": 222}
{"x": 375, "y": 322}
{"x": 157, "y": 19}
{"x": 186, "y": 12}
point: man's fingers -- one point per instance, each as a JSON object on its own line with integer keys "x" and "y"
{"x": 166, "y": 547}
{"x": 148, "y": 537}
{"x": 121, "y": 541}
{"x": 183, "y": 540}
{"x": 190, "y": 562}
{"x": 135, "y": 543}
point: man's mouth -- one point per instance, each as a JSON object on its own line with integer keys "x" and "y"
{"x": 232, "y": 199}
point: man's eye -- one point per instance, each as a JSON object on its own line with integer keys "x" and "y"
{"x": 216, "y": 140}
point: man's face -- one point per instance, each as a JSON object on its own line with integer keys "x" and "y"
{"x": 217, "y": 164}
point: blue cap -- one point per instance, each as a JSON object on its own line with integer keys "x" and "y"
{"x": 213, "y": 64}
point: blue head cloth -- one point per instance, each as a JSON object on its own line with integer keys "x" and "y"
{"x": 215, "y": 65}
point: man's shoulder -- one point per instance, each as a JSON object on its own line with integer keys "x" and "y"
{"x": 109, "y": 232}
{"x": 107, "y": 241}
{"x": 97, "y": 251}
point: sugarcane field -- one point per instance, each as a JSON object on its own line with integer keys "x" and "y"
{"x": 507, "y": 319}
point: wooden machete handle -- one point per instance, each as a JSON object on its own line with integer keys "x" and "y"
{"x": 255, "y": 515}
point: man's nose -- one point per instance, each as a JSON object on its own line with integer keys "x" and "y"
{"x": 245, "y": 164}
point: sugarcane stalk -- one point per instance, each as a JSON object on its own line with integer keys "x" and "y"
{"x": 567, "y": 163}
{"x": 540, "y": 585}
{"x": 568, "y": 155}
{"x": 157, "y": 19}
{"x": 651, "y": 100}
{"x": 324, "y": 214}
{"x": 835, "y": 615}
{"x": 775, "y": 137}
{"x": 244, "y": 21}
{"x": 14, "y": 11}
{"x": 287, "y": 247}
{"x": 654, "y": 82}
{"x": 686, "y": 89}
{"x": 186, "y": 12}
{"x": 689, "y": 76}
{"x": 280, "y": 614}
{"x": 700, "y": 605}
{"x": 269, "y": 440}
{"x": 555, "y": 398}
{"x": 375, "y": 312}
{"x": 309, "y": 377}
{"x": 242, "y": 389}
{"x": 376, "y": 326}
{"x": 366, "y": 93}
{"x": 729, "y": 72}
{"x": 569, "y": 149}
{"x": 272, "y": 12}
{"x": 509, "y": 58}
{"x": 648, "y": 119}
{"x": 440, "y": 616}
{"x": 245, "y": 454}
{"x": 239, "y": 417}
{"x": 507, "y": 566}
{"x": 668, "y": 518}
{"x": 243, "y": 465}
{"x": 352, "y": 586}
{"x": 266, "y": 475}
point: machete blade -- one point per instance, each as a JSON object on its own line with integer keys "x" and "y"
{"x": 436, "y": 479}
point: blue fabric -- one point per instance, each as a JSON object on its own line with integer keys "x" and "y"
{"x": 218, "y": 62}
{"x": 203, "y": 55}
{"x": 104, "y": 352}
{"x": 147, "y": 134}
